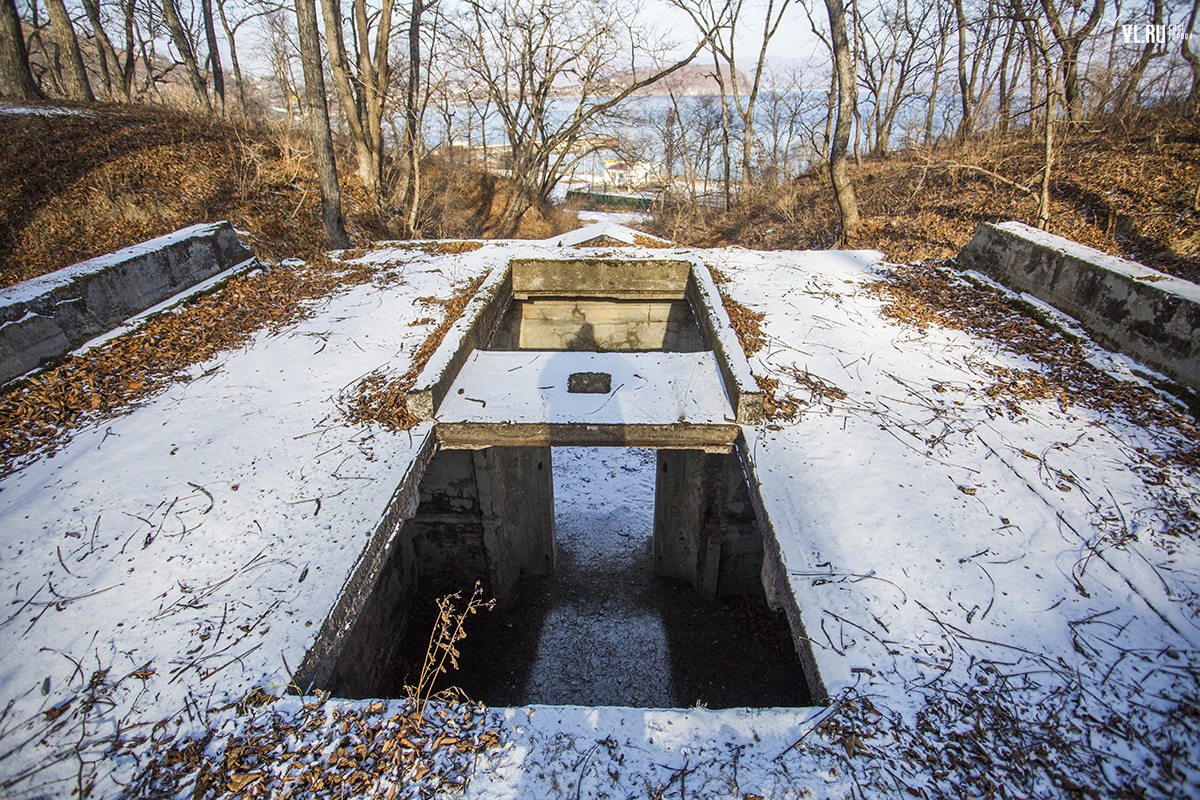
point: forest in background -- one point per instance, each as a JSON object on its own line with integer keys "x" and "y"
{"x": 906, "y": 126}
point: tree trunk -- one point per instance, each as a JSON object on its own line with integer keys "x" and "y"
{"x": 319, "y": 134}
{"x": 725, "y": 161}
{"x": 412, "y": 121}
{"x": 230, "y": 36}
{"x": 16, "y": 80}
{"x": 129, "y": 70}
{"x": 1043, "y": 213}
{"x": 769, "y": 29}
{"x": 839, "y": 173}
{"x": 362, "y": 102}
{"x": 184, "y": 45}
{"x": 1192, "y": 58}
{"x": 1128, "y": 88}
{"x": 74, "y": 74}
{"x": 110, "y": 63}
{"x": 214, "y": 59}
{"x": 967, "y": 124}
{"x": 1005, "y": 83}
{"x": 830, "y": 106}
{"x": 1070, "y": 42}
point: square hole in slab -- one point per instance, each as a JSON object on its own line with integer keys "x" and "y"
{"x": 637, "y": 607}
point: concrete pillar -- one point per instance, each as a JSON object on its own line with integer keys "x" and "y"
{"x": 705, "y": 531}
{"x": 448, "y": 529}
{"x": 516, "y": 504}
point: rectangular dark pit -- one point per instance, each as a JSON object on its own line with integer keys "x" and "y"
{"x": 653, "y": 601}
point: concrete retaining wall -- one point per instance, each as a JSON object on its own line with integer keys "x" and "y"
{"x": 599, "y": 325}
{"x": 1142, "y": 312}
{"x": 705, "y": 528}
{"x": 45, "y": 318}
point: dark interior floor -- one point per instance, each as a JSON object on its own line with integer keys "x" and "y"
{"x": 603, "y": 630}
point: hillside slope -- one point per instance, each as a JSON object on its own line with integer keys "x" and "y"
{"x": 75, "y": 184}
{"x": 1127, "y": 187}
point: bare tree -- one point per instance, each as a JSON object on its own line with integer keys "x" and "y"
{"x": 940, "y": 37}
{"x": 16, "y": 79}
{"x": 1070, "y": 39}
{"x": 363, "y": 87}
{"x": 890, "y": 53}
{"x": 412, "y": 118}
{"x": 74, "y": 75}
{"x": 1010, "y": 53}
{"x": 522, "y": 51}
{"x": 1127, "y": 89}
{"x": 707, "y": 15}
{"x": 1192, "y": 58}
{"x": 976, "y": 46}
{"x": 106, "y": 54}
{"x": 214, "y": 59}
{"x": 317, "y": 118}
{"x": 231, "y": 39}
{"x": 183, "y": 45}
{"x": 847, "y": 89}
{"x": 280, "y": 51}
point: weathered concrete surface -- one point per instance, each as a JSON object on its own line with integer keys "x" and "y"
{"x": 516, "y": 506}
{"x": 1145, "y": 313}
{"x": 679, "y": 436}
{"x": 484, "y": 516}
{"x": 473, "y": 330}
{"x": 44, "y": 318}
{"x": 741, "y": 388}
{"x": 705, "y": 530}
{"x": 599, "y": 325}
{"x": 348, "y": 655}
{"x": 775, "y": 581}
{"x": 646, "y": 278}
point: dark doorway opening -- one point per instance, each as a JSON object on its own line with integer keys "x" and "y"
{"x": 604, "y": 626}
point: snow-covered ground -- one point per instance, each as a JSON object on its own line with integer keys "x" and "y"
{"x": 992, "y": 595}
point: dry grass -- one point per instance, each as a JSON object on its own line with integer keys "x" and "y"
{"x": 75, "y": 187}
{"x": 923, "y": 295}
{"x": 1128, "y": 187}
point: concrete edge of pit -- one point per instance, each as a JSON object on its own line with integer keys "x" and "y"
{"x": 471, "y": 331}
{"x": 744, "y": 395}
{"x": 482, "y": 315}
{"x": 776, "y": 583}
{"x": 321, "y": 659}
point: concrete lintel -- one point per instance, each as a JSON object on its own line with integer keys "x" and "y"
{"x": 660, "y": 296}
{"x": 321, "y": 659}
{"x": 1145, "y": 313}
{"x": 642, "y": 278}
{"x": 478, "y": 435}
{"x": 744, "y": 395}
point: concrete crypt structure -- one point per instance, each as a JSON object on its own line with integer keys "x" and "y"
{"x": 479, "y": 503}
